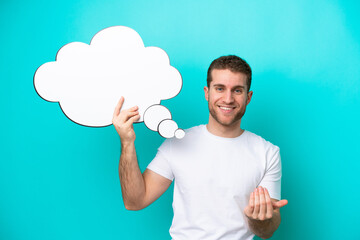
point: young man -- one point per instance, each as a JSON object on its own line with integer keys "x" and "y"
{"x": 227, "y": 180}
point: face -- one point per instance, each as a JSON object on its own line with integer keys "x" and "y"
{"x": 227, "y": 97}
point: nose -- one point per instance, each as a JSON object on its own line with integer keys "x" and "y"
{"x": 228, "y": 98}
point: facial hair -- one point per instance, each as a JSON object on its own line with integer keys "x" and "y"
{"x": 236, "y": 118}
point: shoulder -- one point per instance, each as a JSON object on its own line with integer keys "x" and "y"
{"x": 260, "y": 142}
{"x": 190, "y": 135}
{"x": 266, "y": 151}
{"x": 195, "y": 129}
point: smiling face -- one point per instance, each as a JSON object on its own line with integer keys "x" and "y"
{"x": 227, "y": 98}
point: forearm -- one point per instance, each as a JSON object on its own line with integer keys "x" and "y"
{"x": 265, "y": 228}
{"x": 131, "y": 179}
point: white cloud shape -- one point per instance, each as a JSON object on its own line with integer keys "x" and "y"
{"x": 88, "y": 80}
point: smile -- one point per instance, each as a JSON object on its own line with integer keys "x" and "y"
{"x": 226, "y": 109}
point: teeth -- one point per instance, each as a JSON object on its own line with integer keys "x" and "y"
{"x": 226, "y": 108}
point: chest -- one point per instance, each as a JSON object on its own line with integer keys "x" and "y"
{"x": 223, "y": 172}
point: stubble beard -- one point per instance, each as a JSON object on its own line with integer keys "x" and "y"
{"x": 236, "y": 118}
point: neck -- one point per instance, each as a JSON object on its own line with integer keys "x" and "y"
{"x": 230, "y": 131}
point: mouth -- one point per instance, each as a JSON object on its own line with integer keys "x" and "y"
{"x": 226, "y": 109}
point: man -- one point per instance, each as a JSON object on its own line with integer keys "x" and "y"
{"x": 227, "y": 180}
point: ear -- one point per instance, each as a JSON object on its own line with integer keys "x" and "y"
{"x": 249, "y": 96}
{"x": 206, "y": 90}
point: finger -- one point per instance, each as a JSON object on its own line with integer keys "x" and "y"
{"x": 250, "y": 208}
{"x": 252, "y": 202}
{"x": 262, "y": 210}
{"x": 118, "y": 107}
{"x": 133, "y": 119}
{"x": 269, "y": 207}
{"x": 125, "y": 115}
{"x": 280, "y": 203}
{"x": 257, "y": 203}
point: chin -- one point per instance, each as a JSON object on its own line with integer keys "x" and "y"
{"x": 226, "y": 122}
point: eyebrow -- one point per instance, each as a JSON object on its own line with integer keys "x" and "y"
{"x": 222, "y": 85}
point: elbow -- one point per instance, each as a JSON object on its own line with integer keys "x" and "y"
{"x": 267, "y": 236}
{"x": 132, "y": 207}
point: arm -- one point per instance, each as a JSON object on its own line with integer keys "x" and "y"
{"x": 263, "y": 213}
{"x": 138, "y": 190}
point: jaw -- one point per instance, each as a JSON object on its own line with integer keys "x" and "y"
{"x": 226, "y": 117}
{"x": 225, "y": 122}
{"x": 224, "y": 127}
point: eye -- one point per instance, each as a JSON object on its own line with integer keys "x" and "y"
{"x": 238, "y": 91}
{"x": 219, "y": 89}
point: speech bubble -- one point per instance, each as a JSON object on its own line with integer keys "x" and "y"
{"x": 87, "y": 80}
{"x": 158, "y": 118}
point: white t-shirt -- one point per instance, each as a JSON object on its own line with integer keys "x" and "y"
{"x": 214, "y": 177}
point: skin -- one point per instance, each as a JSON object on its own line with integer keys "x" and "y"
{"x": 263, "y": 213}
{"x": 138, "y": 190}
{"x": 227, "y": 98}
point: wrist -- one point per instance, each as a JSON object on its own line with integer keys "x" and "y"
{"x": 127, "y": 144}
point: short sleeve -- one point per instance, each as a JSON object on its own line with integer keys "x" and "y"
{"x": 160, "y": 164}
{"x": 272, "y": 177}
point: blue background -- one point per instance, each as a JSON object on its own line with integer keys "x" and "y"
{"x": 59, "y": 180}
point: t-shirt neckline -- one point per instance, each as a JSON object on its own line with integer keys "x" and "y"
{"x": 209, "y": 134}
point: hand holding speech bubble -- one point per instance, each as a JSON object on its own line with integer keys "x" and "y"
{"x": 88, "y": 80}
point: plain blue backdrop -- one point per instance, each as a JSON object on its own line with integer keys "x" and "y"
{"x": 59, "y": 180}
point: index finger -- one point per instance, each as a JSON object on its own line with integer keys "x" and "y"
{"x": 252, "y": 202}
{"x": 118, "y": 107}
{"x": 250, "y": 208}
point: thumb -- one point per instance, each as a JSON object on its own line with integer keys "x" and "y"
{"x": 280, "y": 203}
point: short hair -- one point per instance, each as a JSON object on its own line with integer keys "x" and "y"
{"x": 234, "y": 64}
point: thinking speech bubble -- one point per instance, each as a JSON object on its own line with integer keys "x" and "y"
{"x": 88, "y": 80}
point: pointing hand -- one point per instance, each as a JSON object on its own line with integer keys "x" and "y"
{"x": 123, "y": 122}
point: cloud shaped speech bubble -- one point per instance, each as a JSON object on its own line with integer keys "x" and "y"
{"x": 88, "y": 80}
